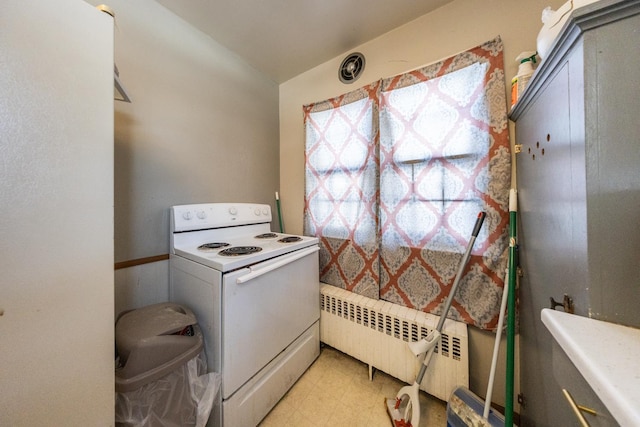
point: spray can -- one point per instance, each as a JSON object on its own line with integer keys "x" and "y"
{"x": 525, "y": 71}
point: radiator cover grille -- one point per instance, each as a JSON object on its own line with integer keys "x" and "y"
{"x": 376, "y": 332}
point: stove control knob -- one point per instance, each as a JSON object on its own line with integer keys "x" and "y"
{"x": 202, "y": 214}
{"x": 187, "y": 215}
{"x": 233, "y": 210}
{"x": 265, "y": 211}
{"x": 257, "y": 211}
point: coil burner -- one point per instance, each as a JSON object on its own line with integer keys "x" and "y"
{"x": 210, "y": 247}
{"x": 266, "y": 236}
{"x": 240, "y": 250}
{"x": 290, "y": 239}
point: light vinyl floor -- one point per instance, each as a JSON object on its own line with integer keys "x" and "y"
{"x": 336, "y": 391}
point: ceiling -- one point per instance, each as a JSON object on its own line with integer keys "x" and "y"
{"x": 284, "y": 38}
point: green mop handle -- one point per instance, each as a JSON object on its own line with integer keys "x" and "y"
{"x": 511, "y": 307}
{"x": 279, "y": 212}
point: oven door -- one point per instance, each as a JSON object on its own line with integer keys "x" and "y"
{"x": 265, "y": 308}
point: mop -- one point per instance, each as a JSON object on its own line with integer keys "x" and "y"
{"x": 463, "y": 408}
{"x": 404, "y": 409}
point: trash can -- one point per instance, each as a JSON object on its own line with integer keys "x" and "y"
{"x": 161, "y": 375}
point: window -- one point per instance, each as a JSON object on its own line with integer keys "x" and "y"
{"x": 432, "y": 145}
{"x": 339, "y": 143}
{"x": 341, "y": 189}
{"x": 396, "y": 173}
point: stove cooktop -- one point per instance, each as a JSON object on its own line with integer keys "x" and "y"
{"x": 213, "y": 233}
{"x": 240, "y": 251}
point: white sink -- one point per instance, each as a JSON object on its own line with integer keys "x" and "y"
{"x": 608, "y": 357}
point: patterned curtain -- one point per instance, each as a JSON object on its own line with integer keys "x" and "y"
{"x": 341, "y": 188}
{"x": 445, "y": 156}
{"x": 396, "y": 173}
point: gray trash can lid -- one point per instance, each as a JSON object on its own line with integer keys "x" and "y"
{"x": 153, "y": 341}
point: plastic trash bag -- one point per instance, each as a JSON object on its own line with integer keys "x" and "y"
{"x": 182, "y": 398}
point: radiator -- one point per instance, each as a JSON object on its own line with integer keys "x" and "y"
{"x": 376, "y": 332}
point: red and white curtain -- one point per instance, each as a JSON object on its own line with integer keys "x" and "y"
{"x": 341, "y": 188}
{"x": 396, "y": 174}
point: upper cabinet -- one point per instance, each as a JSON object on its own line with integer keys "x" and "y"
{"x": 579, "y": 170}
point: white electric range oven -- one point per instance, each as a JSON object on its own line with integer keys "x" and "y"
{"x": 256, "y": 296}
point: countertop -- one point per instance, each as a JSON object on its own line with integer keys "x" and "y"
{"x": 608, "y": 357}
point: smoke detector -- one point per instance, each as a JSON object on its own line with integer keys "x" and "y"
{"x": 351, "y": 67}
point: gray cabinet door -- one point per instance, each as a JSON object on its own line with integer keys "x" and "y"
{"x": 547, "y": 202}
{"x": 612, "y": 169}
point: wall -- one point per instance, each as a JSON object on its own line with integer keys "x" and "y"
{"x": 454, "y": 27}
{"x": 202, "y": 127}
{"x": 56, "y": 214}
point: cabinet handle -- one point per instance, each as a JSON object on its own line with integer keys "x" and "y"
{"x": 567, "y": 304}
{"x": 578, "y": 409}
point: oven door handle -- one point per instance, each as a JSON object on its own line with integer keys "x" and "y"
{"x": 286, "y": 260}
